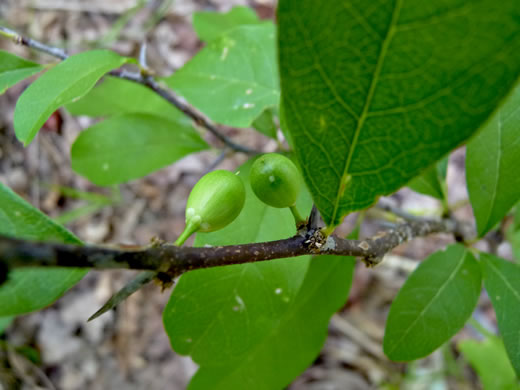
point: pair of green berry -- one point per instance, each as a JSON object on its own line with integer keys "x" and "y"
{"x": 218, "y": 197}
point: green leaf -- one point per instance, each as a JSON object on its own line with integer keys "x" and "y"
{"x": 265, "y": 124}
{"x": 489, "y": 359}
{"x": 14, "y": 69}
{"x": 130, "y": 146}
{"x": 293, "y": 338}
{"x": 32, "y": 289}
{"x": 373, "y": 94}
{"x": 492, "y": 160}
{"x": 502, "y": 282}
{"x": 66, "y": 82}
{"x": 209, "y": 25}
{"x": 432, "y": 181}
{"x": 242, "y": 324}
{"x": 4, "y": 323}
{"x": 114, "y": 96}
{"x": 433, "y": 304}
{"x": 234, "y": 78}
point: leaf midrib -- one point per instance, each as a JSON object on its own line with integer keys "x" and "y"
{"x": 90, "y": 73}
{"x": 9, "y": 72}
{"x": 497, "y": 173}
{"x": 382, "y": 54}
{"x": 139, "y": 149}
{"x": 286, "y": 319}
{"x": 515, "y": 293}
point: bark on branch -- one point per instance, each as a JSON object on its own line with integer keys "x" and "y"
{"x": 173, "y": 260}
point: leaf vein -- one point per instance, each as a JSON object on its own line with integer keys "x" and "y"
{"x": 361, "y": 119}
{"x": 515, "y": 293}
{"x": 425, "y": 309}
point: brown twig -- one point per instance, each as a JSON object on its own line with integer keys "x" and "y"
{"x": 173, "y": 260}
{"x": 142, "y": 78}
{"x": 21, "y": 40}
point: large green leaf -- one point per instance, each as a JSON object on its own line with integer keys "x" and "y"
{"x": 492, "y": 160}
{"x": 32, "y": 289}
{"x": 373, "y": 93}
{"x": 256, "y": 325}
{"x": 64, "y": 83}
{"x": 130, "y": 146}
{"x": 433, "y": 304}
{"x": 233, "y": 79}
{"x": 209, "y": 25}
{"x": 502, "y": 282}
{"x": 14, "y": 69}
{"x": 432, "y": 181}
{"x": 489, "y": 359}
{"x": 115, "y": 96}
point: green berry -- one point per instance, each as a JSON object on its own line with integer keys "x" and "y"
{"x": 275, "y": 180}
{"x": 215, "y": 201}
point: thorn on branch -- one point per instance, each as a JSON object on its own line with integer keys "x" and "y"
{"x": 131, "y": 287}
{"x": 314, "y": 218}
